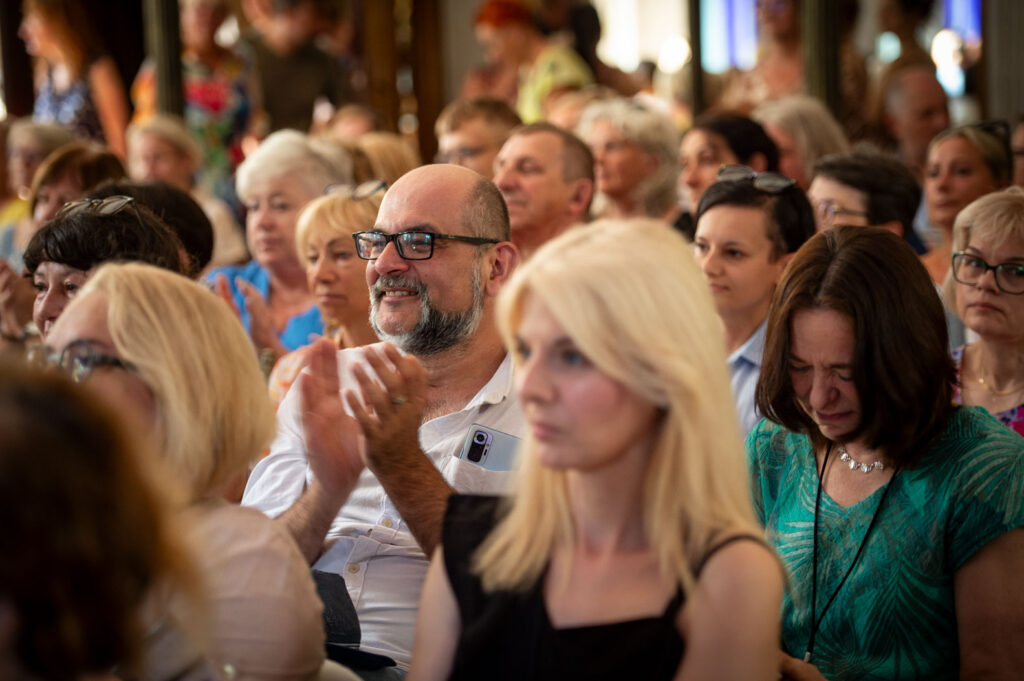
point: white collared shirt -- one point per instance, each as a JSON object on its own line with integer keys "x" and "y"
{"x": 368, "y": 543}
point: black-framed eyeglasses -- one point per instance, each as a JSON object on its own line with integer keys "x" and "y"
{"x": 771, "y": 183}
{"x": 411, "y": 245}
{"x": 827, "y": 210}
{"x": 78, "y": 359}
{"x": 357, "y": 192}
{"x": 969, "y": 269}
{"x": 108, "y": 206}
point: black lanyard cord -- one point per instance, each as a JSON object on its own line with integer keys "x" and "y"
{"x": 816, "y": 621}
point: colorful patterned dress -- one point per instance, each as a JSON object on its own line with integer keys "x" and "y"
{"x": 1011, "y": 418}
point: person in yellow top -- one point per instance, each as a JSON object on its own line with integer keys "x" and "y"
{"x": 510, "y": 39}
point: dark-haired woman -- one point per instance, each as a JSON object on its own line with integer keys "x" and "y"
{"x": 897, "y": 513}
{"x": 61, "y": 256}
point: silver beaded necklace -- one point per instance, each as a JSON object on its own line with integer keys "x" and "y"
{"x": 854, "y": 464}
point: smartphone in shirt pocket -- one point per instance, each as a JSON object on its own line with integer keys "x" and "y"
{"x": 490, "y": 449}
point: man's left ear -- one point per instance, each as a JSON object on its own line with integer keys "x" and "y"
{"x": 503, "y": 261}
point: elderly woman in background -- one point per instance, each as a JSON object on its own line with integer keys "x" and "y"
{"x": 964, "y": 164}
{"x": 86, "y": 537}
{"x": 634, "y": 160}
{"x": 163, "y": 149}
{"x": 336, "y": 275}
{"x": 986, "y": 288}
{"x": 897, "y": 513}
{"x": 713, "y": 141}
{"x": 804, "y": 131}
{"x": 629, "y": 549}
{"x": 62, "y": 255}
{"x": 173, "y": 359}
{"x": 270, "y": 293}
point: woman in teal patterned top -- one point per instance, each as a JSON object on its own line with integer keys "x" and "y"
{"x": 897, "y": 514}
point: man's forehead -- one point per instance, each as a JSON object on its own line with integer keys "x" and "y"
{"x": 542, "y": 145}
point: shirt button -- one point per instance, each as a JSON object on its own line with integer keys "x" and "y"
{"x": 353, "y": 568}
{"x": 387, "y": 523}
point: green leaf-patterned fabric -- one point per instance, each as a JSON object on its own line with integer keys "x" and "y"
{"x": 894, "y": 618}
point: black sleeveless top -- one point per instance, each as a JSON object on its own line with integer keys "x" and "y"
{"x": 507, "y": 635}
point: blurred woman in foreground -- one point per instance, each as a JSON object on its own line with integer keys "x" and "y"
{"x": 629, "y": 549}
{"x": 172, "y": 358}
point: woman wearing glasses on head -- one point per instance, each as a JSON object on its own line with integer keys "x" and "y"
{"x": 897, "y": 513}
{"x": 173, "y": 360}
{"x": 986, "y": 288}
{"x": 748, "y": 227}
{"x": 335, "y": 273}
{"x": 62, "y": 256}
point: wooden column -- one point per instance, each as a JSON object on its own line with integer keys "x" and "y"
{"x": 378, "y": 27}
{"x": 427, "y": 71}
{"x": 1002, "y": 24}
{"x": 18, "y": 91}
{"x": 163, "y": 46}
{"x": 699, "y": 99}
{"x": 819, "y": 32}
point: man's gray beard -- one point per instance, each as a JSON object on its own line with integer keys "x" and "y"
{"x": 436, "y": 331}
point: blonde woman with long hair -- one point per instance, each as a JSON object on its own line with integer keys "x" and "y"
{"x": 629, "y": 548}
{"x": 173, "y": 359}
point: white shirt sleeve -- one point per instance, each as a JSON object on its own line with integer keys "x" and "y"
{"x": 279, "y": 480}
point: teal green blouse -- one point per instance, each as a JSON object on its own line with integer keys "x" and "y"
{"x": 894, "y": 618}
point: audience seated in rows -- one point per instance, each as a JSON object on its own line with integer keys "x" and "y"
{"x": 471, "y": 131}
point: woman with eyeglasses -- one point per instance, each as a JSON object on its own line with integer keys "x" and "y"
{"x": 964, "y": 164}
{"x": 897, "y": 513}
{"x": 335, "y": 273}
{"x": 174, "y": 361}
{"x": 749, "y": 225}
{"x": 627, "y": 549}
{"x": 987, "y": 291}
{"x": 62, "y": 256}
{"x": 270, "y": 293}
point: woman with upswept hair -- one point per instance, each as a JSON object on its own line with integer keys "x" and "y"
{"x": 629, "y": 548}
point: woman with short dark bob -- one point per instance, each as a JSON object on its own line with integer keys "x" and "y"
{"x": 86, "y": 233}
{"x": 897, "y": 513}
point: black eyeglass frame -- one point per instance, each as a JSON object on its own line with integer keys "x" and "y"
{"x": 398, "y": 238}
{"x": 767, "y": 182}
{"x": 958, "y": 259}
{"x": 829, "y": 209}
{"x": 78, "y": 366}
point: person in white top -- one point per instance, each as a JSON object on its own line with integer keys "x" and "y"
{"x": 366, "y": 454}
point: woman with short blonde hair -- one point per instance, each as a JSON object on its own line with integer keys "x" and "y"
{"x": 335, "y": 274}
{"x": 988, "y": 235}
{"x": 630, "y": 492}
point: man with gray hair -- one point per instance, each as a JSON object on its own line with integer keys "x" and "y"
{"x": 367, "y": 450}
{"x": 546, "y": 175}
